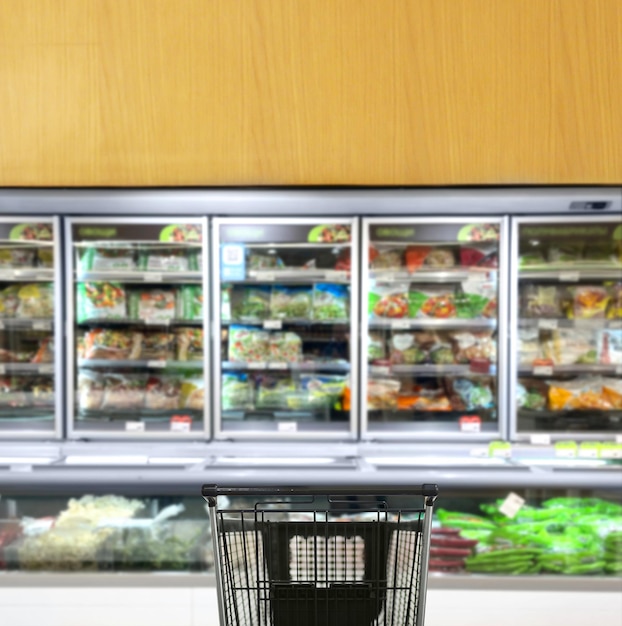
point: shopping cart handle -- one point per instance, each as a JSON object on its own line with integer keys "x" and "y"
{"x": 428, "y": 490}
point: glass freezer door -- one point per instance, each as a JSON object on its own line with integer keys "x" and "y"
{"x": 30, "y": 318}
{"x": 285, "y": 349}
{"x": 432, "y": 328}
{"x": 137, "y": 348}
{"x": 567, "y": 312}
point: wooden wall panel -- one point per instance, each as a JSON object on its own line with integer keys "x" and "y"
{"x": 391, "y": 92}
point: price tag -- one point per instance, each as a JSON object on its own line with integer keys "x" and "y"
{"x": 500, "y": 449}
{"x": 153, "y": 277}
{"x": 566, "y": 449}
{"x": 543, "y": 370}
{"x": 619, "y": 370}
{"x": 1, "y": 325}
{"x": 610, "y": 450}
{"x": 267, "y": 276}
{"x": 511, "y": 505}
{"x": 400, "y": 324}
{"x": 287, "y": 427}
{"x": 470, "y": 424}
{"x": 21, "y": 467}
{"x": 181, "y": 423}
{"x": 547, "y": 324}
{"x": 380, "y": 370}
{"x": 277, "y": 366}
{"x": 41, "y": 325}
{"x": 540, "y": 439}
{"x": 618, "y": 438}
{"x": 135, "y": 427}
{"x": 589, "y": 450}
{"x": 569, "y": 277}
{"x": 273, "y": 324}
{"x": 2, "y": 369}
{"x": 335, "y": 275}
{"x": 46, "y": 369}
{"x": 257, "y": 365}
{"x": 159, "y": 363}
{"x": 152, "y": 321}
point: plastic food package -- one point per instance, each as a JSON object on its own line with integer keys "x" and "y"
{"x": 432, "y": 302}
{"x": 609, "y": 348}
{"x": 291, "y": 302}
{"x": 158, "y": 346}
{"x": 541, "y": 301}
{"x": 477, "y": 297}
{"x": 274, "y": 393}
{"x": 35, "y": 300}
{"x": 567, "y": 253}
{"x": 424, "y": 399}
{"x": 16, "y": 257}
{"x": 582, "y": 393}
{"x": 411, "y": 348}
{"x": 528, "y": 345}
{"x": 264, "y": 262}
{"x": 9, "y": 301}
{"x": 193, "y": 393}
{"x": 100, "y": 301}
{"x": 588, "y": 302}
{"x": 387, "y": 260}
{"x": 480, "y": 256}
{"x": 162, "y": 393}
{"x": 90, "y": 390}
{"x": 101, "y": 259}
{"x": 439, "y": 258}
{"x": 318, "y": 392}
{"x": 531, "y": 258}
{"x": 390, "y": 301}
{"x": 168, "y": 260}
{"x": 614, "y": 310}
{"x": 123, "y": 391}
{"x": 250, "y": 303}
{"x": 236, "y": 392}
{"x": 475, "y": 394}
{"x": 382, "y": 394}
{"x": 330, "y": 301}
{"x": 154, "y": 305}
{"x": 612, "y": 392}
{"x": 376, "y": 349}
{"x": 45, "y": 257}
{"x": 190, "y": 302}
{"x": 101, "y": 343}
{"x": 285, "y": 348}
{"x": 531, "y": 394}
{"x": 570, "y": 346}
{"x": 42, "y": 392}
{"x": 470, "y": 346}
{"x": 248, "y": 344}
{"x": 45, "y": 351}
{"x": 13, "y": 392}
{"x": 190, "y": 345}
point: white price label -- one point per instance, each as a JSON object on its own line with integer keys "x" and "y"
{"x": 380, "y": 370}
{"x": 151, "y": 321}
{"x": 158, "y": 363}
{"x": 180, "y": 427}
{"x": 135, "y": 427}
{"x": 277, "y": 366}
{"x": 267, "y": 276}
{"x": 22, "y": 467}
{"x": 543, "y": 370}
{"x": 470, "y": 426}
{"x": 512, "y": 505}
{"x": 41, "y": 325}
{"x": 46, "y": 369}
{"x": 611, "y": 453}
{"x": 540, "y": 439}
{"x": 400, "y": 324}
{"x": 547, "y": 324}
{"x": 566, "y": 453}
{"x": 335, "y": 275}
{"x": 154, "y": 277}
{"x": 588, "y": 452}
{"x": 287, "y": 427}
{"x": 2, "y": 369}
{"x": 618, "y": 438}
{"x": 619, "y": 370}
{"x": 273, "y": 324}
{"x": 1, "y": 325}
{"x": 258, "y": 365}
{"x": 569, "y": 277}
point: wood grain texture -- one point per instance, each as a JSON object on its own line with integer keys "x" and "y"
{"x": 362, "y": 92}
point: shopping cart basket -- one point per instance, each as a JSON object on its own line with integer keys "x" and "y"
{"x": 337, "y": 556}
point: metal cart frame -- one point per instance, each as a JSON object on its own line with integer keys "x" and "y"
{"x": 335, "y": 556}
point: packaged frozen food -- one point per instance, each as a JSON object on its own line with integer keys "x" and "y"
{"x": 531, "y": 394}
{"x": 35, "y": 300}
{"x": 382, "y": 394}
{"x": 45, "y": 257}
{"x": 291, "y": 302}
{"x": 387, "y": 260}
{"x": 424, "y": 399}
{"x": 531, "y": 258}
{"x": 317, "y": 391}
{"x": 121, "y": 257}
{"x": 104, "y": 343}
{"x": 273, "y": 392}
{"x": 236, "y": 392}
{"x": 581, "y": 393}
{"x": 609, "y": 346}
{"x": 190, "y": 344}
{"x": 406, "y": 350}
{"x": 193, "y": 393}
{"x": 90, "y": 390}
{"x": 612, "y": 392}
{"x": 481, "y": 256}
{"x": 474, "y": 394}
{"x": 569, "y": 346}
{"x": 330, "y": 301}
{"x": 157, "y": 346}
{"x": 250, "y": 303}
{"x": 168, "y": 260}
{"x": 190, "y": 302}
{"x": 330, "y": 233}
{"x": 45, "y": 351}
{"x": 528, "y": 345}
{"x": 376, "y": 349}
{"x": 470, "y": 346}
{"x": 600, "y": 252}
{"x": 439, "y": 258}
{"x": 285, "y": 348}
{"x": 17, "y": 257}
{"x": 415, "y": 257}
{"x": 389, "y": 301}
{"x": 432, "y": 302}
{"x": 541, "y": 301}
{"x": 12, "y": 356}
{"x": 162, "y": 393}
{"x": 123, "y": 391}
{"x": 100, "y": 301}
{"x": 32, "y": 232}
{"x": 588, "y": 302}
{"x": 614, "y": 311}
{"x": 13, "y": 392}
{"x": 42, "y": 392}
{"x": 225, "y": 302}
{"x": 248, "y": 344}
{"x": 566, "y": 253}
{"x": 258, "y": 261}
{"x": 344, "y": 260}
{"x": 9, "y": 301}
{"x": 442, "y": 352}
{"x": 476, "y": 297}
{"x": 154, "y": 305}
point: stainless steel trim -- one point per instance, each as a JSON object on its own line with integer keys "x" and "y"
{"x": 425, "y": 560}
{"x": 502, "y": 329}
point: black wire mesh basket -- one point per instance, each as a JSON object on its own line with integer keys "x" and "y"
{"x": 308, "y": 557}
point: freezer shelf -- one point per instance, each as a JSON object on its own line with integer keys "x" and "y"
{"x": 142, "y": 277}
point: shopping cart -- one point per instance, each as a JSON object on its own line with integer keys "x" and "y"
{"x": 337, "y": 556}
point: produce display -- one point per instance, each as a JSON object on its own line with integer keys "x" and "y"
{"x": 564, "y": 536}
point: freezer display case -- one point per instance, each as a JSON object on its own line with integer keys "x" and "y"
{"x": 285, "y": 348}
{"x": 136, "y": 340}
{"x": 433, "y": 328}
{"x": 567, "y": 321}
{"x": 30, "y": 318}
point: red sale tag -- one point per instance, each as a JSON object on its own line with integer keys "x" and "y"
{"x": 181, "y": 423}
{"x": 470, "y": 423}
